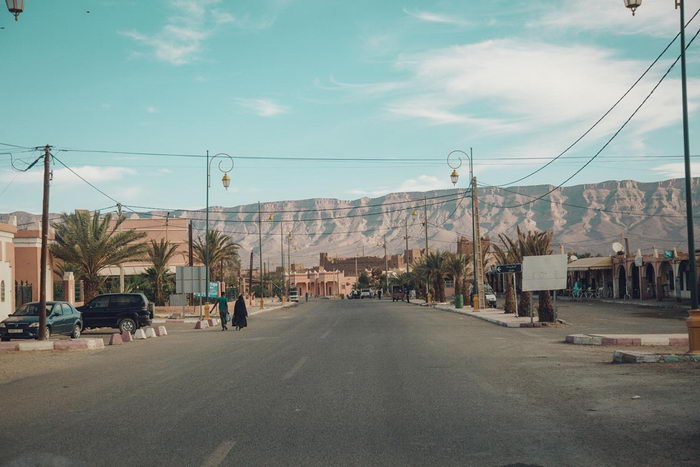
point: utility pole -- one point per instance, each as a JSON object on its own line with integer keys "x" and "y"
{"x": 478, "y": 264}
{"x": 44, "y": 243}
{"x": 284, "y": 275}
{"x": 405, "y": 255}
{"x": 189, "y": 240}
{"x": 425, "y": 219}
{"x": 250, "y": 272}
{"x": 262, "y": 284}
{"x": 167, "y": 218}
{"x": 289, "y": 261}
{"x": 386, "y": 267}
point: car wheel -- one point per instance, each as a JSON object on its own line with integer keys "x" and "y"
{"x": 76, "y": 331}
{"x": 127, "y": 324}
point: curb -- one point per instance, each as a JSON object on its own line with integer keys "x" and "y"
{"x": 622, "y": 356}
{"x": 62, "y": 345}
{"x": 628, "y": 339}
{"x": 491, "y": 319}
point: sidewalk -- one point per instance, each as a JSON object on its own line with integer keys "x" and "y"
{"x": 492, "y": 315}
{"x": 252, "y": 309}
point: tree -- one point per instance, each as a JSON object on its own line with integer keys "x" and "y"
{"x": 533, "y": 243}
{"x": 223, "y": 255}
{"x": 434, "y": 267}
{"x": 88, "y": 243}
{"x": 362, "y": 281}
{"x": 160, "y": 253}
{"x": 505, "y": 256}
{"x": 457, "y": 265}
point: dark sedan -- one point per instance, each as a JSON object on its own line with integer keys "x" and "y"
{"x": 61, "y": 318}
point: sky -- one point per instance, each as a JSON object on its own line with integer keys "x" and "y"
{"x": 361, "y": 81}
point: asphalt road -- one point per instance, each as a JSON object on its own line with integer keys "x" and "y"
{"x": 353, "y": 383}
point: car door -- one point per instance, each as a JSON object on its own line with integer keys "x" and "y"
{"x": 95, "y": 313}
{"x": 67, "y": 318}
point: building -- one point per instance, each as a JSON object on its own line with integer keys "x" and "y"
{"x": 321, "y": 283}
{"x": 7, "y": 269}
{"x": 27, "y": 257}
{"x": 357, "y": 264}
{"x": 662, "y": 275}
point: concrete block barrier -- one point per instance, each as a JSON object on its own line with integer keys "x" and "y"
{"x": 213, "y": 322}
{"x": 34, "y": 345}
{"x": 79, "y": 344}
{"x": 624, "y": 356}
{"x": 127, "y": 337}
{"x": 139, "y": 334}
{"x": 150, "y": 332}
{"x": 116, "y": 339}
{"x": 161, "y": 331}
{"x": 628, "y": 339}
{"x": 8, "y": 346}
{"x": 201, "y": 324}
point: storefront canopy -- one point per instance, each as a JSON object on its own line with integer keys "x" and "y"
{"x": 591, "y": 264}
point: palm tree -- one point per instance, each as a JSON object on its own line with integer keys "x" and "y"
{"x": 533, "y": 243}
{"x": 223, "y": 253}
{"x": 434, "y": 266}
{"x": 457, "y": 265}
{"x": 160, "y": 253}
{"x": 505, "y": 256}
{"x": 88, "y": 243}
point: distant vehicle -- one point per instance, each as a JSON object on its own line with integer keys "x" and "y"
{"x": 489, "y": 295}
{"x": 125, "y": 311}
{"x": 61, "y": 318}
{"x": 397, "y": 293}
{"x": 293, "y": 294}
{"x": 366, "y": 293}
{"x": 354, "y": 294}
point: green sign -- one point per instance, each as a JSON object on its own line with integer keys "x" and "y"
{"x": 213, "y": 289}
{"x": 669, "y": 254}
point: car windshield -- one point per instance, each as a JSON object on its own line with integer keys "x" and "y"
{"x": 31, "y": 309}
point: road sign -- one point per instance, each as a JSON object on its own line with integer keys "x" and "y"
{"x": 546, "y": 272}
{"x": 669, "y": 254}
{"x": 190, "y": 279}
{"x": 213, "y": 289}
{"x": 505, "y": 268}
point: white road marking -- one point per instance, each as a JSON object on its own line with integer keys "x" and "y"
{"x": 295, "y": 368}
{"x": 336, "y": 322}
{"x": 217, "y": 457}
{"x": 325, "y": 334}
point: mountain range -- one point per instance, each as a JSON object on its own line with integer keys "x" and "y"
{"x": 585, "y": 218}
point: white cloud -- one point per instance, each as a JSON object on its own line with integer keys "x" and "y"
{"x": 262, "y": 107}
{"x": 431, "y": 17}
{"x": 655, "y": 18}
{"x": 509, "y": 86}
{"x": 677, "y": 170}
{"x": 93, "y": 174}
{"x": 364, "y": 88}
{"x": 180, "y": 41}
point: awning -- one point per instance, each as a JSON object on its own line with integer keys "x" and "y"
{"x": 589, "y": 264}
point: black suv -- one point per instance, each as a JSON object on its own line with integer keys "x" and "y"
{"x": 126, "y": 311}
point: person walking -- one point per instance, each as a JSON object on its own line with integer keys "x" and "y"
{"x": 240, "y": 314}
{"x": 379, "y": 294}
{"x": 222, "y": 303}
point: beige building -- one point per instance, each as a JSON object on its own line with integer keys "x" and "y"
{"x": 7, "y": 270}
{"x": 321, "y": 283}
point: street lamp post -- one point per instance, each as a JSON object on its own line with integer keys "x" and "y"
{"x": 694, "y": 312}
{"x": 226, "y": 182}
{"x": 476, "y": 250}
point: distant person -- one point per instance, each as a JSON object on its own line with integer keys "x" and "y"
{"x": 379, "y": 294}
{"x": 240, "y": 314}
{"x": 306, "y": 296}
{"x": 223, "y": 311}
{"x": 407, "y": 293}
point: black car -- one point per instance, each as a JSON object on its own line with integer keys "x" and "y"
{"x": 126, "y": 311}
{"x": 61, "y": 318}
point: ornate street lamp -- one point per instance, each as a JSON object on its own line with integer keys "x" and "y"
{"x": 15, "y": 7}
{"x": 226, "y": 182}
{"x": 454, "y": 177}
{"x": 633, "y": 5}
{"x": 693, "y": 321}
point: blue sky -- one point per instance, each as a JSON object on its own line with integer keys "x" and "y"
{"x": 330, "y": 78}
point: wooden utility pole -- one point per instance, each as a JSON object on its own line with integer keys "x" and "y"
{"x": 250, "y": 271}
{"x": 262, "y": 283}
{"x": 285, "y": 293}
{"x": 405, "y": 255}
{"x": 44, "y": 243}
{"x": 425, "y": 220}
{"x": 189, "y": 242}
{"x": 386, "y": 267}
{"x": 478, "y": 263}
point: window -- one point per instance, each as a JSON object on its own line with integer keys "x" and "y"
{"x": 124, "y": 300}
{"x": 99, "y": 303}
{"x": 2, "y": 291}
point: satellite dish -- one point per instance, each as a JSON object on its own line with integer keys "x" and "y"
{"x": 573, "y": 258}
{"x": 617, "y": 247}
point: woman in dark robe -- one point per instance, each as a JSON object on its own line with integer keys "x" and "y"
{"x": 240, "y": 314}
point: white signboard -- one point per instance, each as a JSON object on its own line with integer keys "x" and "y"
{"x": 546, "y": 272}
{"x": 190, "y": 279}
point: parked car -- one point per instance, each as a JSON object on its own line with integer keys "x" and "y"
{"x": 125, "y": 311}
{"x": 61, "y": 318}
{"x": 489, "y": 295}
{"x": 354, "y": 294}
{"x": 293, "y": 294}
{"x": 366, "y": 293}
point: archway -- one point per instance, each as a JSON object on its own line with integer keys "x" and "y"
{"x": 650, "y": 281}
{"x": 622, "y": 282}
{"x": 635, "y": 282}
{"x": 666, "y": 281}
{"x": 683, "y": 276}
